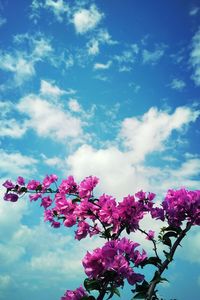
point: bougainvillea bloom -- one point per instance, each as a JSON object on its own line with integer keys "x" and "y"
{"x": 115, "y": 256}
{"x": 74, "y": 295}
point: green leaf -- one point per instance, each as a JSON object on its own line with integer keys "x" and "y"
{"x": 170, "y": 234}
{"x": 23, "y": 189}
{"x": 163, "y": 279}
{"x": 112, "y": 292}
{"x": 39, "y": 188}
{"x": 141, "y": 288}
{"x": 139, "y": 296}
{"x": 167, "y": 241}
{"x": 167, "y": 255}
{"x": 88, "y": 298}
{"x": 116, "y": 292}
{"x": 76, "y": 200}
{"x": 173, "y": 228}
{"x": 106, "y": 234}
{"x": 91, "y": 284}
{"x": 153, "y": 260}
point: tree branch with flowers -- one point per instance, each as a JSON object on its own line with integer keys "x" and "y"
{"x": 119, "y": 259}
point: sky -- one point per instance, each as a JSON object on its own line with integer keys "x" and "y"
{"x": 104, "y": 88}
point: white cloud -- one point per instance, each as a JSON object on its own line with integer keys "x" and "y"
{"x": 127, "y": 56}
{"x": 114, "y": 168}
{"x": 12, "y": 128}
{"x": 50, "y": 89}
{"x": 86, "y": 19}
{"x": 22, "y": 63}
{"x": 177, "y": 84}
{"x": 41, "y": 48}
{"x": 53, "y": 161}
{"x": 100, "y": 66}
{"x": 102, "y": 37}
{"x": 195, "y": 57}
{"x": 120, "y": 175}
{"x": 149, "y": 133}
{"x": 74, "y": 106}
{"x": 22, "y": 68}
{"x": 125, "y": 69}
{"x": 194, "y": 11}
{"x": 50, "y": 119}
{"x": 58, "y": 7}
{"x": 93, "y": 47}
{"x": 152, "y": 57}
{"x": 136, "y": 87}
{"x": 17, "y": 163}
{"x": 123, "y": 171}
{"x": 2, "y": 21}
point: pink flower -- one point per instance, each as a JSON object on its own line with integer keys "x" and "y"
{"x": 116, "y": 256}
{"x": 35, "y": 197}
{"x": 8, "y": 184}
{"x": 141, "y": 195}
{"x": 48, "y": 180}
{"x": 20, "y": 180}
{"x": 86, "y": 186}
{"x": 70, "y": 220}
{"x": 33, "y": 184}
{"x": 68, "y": 186}
{"x": 108, "y": 213}
{"x": 82, "y": 231}
{"x": 150, "y": 235}
{"x": 46, "y": 202}
{"x": 131, "y": 212}
{"x": 181, "y": 205}
{"x": 78, "y": 294}
{"x": 11, "y": 197}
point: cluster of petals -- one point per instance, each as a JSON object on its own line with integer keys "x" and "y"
{"x": 131, "y": 212}
{"x": 86, "y": 186}
{"x": 116, "y": 256}
{"x": 48, "y": 180}
{"x": 68, "y": 186}
{"x": 181, "y": 205}
{"x": 77, "y": 294}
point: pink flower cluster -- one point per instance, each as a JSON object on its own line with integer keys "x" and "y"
{"x": 115, "y": 256}
{"x": 74, "y": 204}
{"x": 182, "y": 205}
{"x": 74, "y": 295}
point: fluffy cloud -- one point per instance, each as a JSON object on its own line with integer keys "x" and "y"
{"x": 74, "y": 106}
{"x": 152, "y": 57}
{"x": 17, "y": 164}
{"x": 18, "y": 64}
{"x": 58, "y": 7}
{"x": 114, "y": 168}
{"x": 50, "y": 89}
{"x": 100, "y": 66}
{"x": 194, "y": 11}
{"x": 22, "y": 63}
{"x": 149, "y": 133}
{"x": 195, "y": 58}
{"x": 102, "y": 37}
{"x": 10, "y": 127}
{"x": 49, "y": 119}
{"x": 2, "y": 21}
{"x": 124, "y": 171}
{"x": 86, "y": 19}
{"x": 177, "y": 84}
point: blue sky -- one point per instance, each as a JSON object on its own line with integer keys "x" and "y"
{"x": 105, "y": 88}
